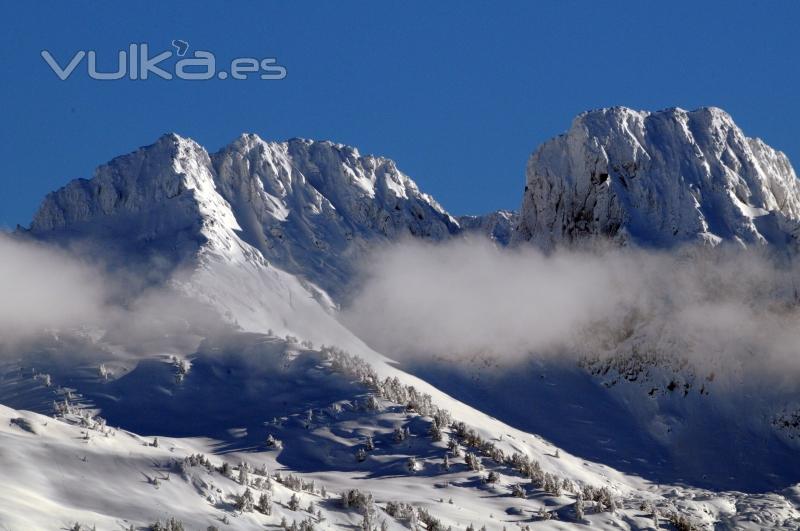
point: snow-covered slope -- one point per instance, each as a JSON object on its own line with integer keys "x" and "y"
{"x": 207, "y": 418}
{"x": 659, "y": 179}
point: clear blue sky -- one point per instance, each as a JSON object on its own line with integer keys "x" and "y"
{"x": 458, "y": 93}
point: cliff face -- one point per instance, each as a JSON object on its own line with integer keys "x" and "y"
{"x": 658, "y": 179}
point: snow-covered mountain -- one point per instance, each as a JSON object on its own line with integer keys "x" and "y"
{"x": 308, "y": 207}
{"x": 314, "y": 207}
{"x": 266, "y": 236}
{"x": 659, "y": 179}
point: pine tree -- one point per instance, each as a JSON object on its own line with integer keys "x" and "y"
{"x": 369, "y": 444}
{"x": 265, "y": 503}
{"x": 435, "y": 432}
{"x": 294, "y": 502}
{"x": 454, "y": 448}
{"x": 579, "y": 507}
{"x": 361, "y": 455}
{"x": 368, "y": 514}
{"x": 243, "y": 474}
{"x": 472, "y": 461}
{"x": 446, "y": 463}
{"x": 245, "y": 503}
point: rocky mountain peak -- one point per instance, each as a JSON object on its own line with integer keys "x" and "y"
{"x": 659, "y": 179}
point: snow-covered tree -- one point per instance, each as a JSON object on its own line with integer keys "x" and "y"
{"x": 170, "y": 525}
{"x": 454, "y": 448}
{"x": 244, "y": 476}
{"x": 294, "y": 502}
{"x": 265, "y": 503}
{"x": 368, "y": 514}
{"x": 579, "y": 507}
{"x": 245, "y": 502}
{"x": 369, "y": 444}
{"x": 446, "y": 463}
{"x": 472, "y": 461}
{"x": 435, "y": 431}
{"x": 361, "y": 455}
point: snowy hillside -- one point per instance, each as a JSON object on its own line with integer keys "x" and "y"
{"x": 660, "y": 179}
{"x": 287, "y": 423}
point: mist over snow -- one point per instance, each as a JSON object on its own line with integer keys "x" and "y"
{"x": 715, "y": 308}
{"x": 46, "y": 289}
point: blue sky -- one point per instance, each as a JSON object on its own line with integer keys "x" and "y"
{"x": 458, "y": 93}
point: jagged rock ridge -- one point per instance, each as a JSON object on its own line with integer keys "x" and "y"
{"x": 309, "y": 207}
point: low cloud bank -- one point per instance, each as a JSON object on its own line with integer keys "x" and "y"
{"x": 720, "y": 307}
{"x": 42, "y": 288}
{"x": 46, "y": 290}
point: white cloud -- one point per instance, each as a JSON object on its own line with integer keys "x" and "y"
{"x": 461, "y": 298}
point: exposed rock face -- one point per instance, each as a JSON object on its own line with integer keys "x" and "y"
{"x": 658, "y": 179}
{"x": 498, "y": 226}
